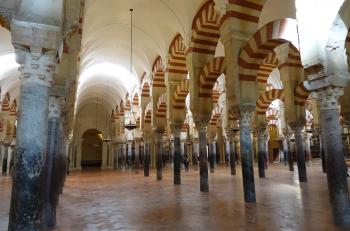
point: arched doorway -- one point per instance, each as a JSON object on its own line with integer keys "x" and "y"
{"x": 91, "y": 156}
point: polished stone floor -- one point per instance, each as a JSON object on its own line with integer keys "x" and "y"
{"x": 116, "y": 200}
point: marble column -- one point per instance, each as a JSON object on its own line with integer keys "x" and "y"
{"x": 137, "y": 156}
{"x": 227, "y": 152}
{"x": 79, "y": 154}
{"x": 246, "y": 155}
{"x": 195, "y": 154}
{"x": 51, "y": 176}
{"x": 129, "y": 154}
{"x": 9, "y": 160}
{"x": 261, "y": 150}
{"x": 31, "y": 140}
{"x": 177, "y": 153}
{"x": 146, "y": 160}
{"x": 322, "y": 153}
{"x": 110, "y": 155}
{"x": 287, "y": 152}
{"x": 125, "y": 155}
{"x": 159, "y": 159}
{"x": 104, "y": 155}
{"x": 232, "y": 153}
{"x": 297, "y": 128}
{"x": 336, "y": 166}
{"x": 288, "y": 148}
{"x": 307, "y": 137}
{"x": 212, "y": 155}
{"x": 5, "y": 159}
{"x": 203, "y": 158}
{"x": 1, "y": 153}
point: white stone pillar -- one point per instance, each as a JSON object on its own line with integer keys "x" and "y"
{"x": 79, "y": 154}
{"x": 104, "y": 155}
{"x": 9, "y": 158}
{"x": 111, "y": 156}
{"x": 1, "y": 154}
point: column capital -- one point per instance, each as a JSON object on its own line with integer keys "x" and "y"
{"x": 328, "y": 97}
{"x": 260, "y": 130}
{"x": 297, "y": 126}
{"x": 201, "y": 126}
{"x": 36, "y": 66}
{"x": 176, "y": 129}
{"x": 245, "y": 116}
{"x": 55, "y": 106}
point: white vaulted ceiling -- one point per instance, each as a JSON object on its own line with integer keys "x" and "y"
{"x": 105, "y": 54}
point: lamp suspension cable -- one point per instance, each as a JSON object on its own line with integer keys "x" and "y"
{"x": 131, "y": 125}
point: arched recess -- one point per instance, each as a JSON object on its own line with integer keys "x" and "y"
{"x": 205, "y": 29}
{"x": 215, "y": 117}
{"x": 208, "y": 77}
{"x": 266, "y": 99}
{"x": 179, "y": 101}
{"x": 262, "y": 43}
{"x": 5, "y": 22}
{"x": 147, "y": 124}
{"x": 158, "y": 73}
{"x": 269, "y": 63}
{"x": 158, "y": 85}
{"x": 177, "y": 57}
{"x": 271, "y": 36}
{"x": 161, "y": 112}
{"x": 176, "y": 72}
{"x": 180, "y": 94}
{"x": 244, "y": 15}
{"x": 91, "y": 156}
{"x": 204, "y": 40}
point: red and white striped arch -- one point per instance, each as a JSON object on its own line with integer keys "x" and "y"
{"x": 301, "y": 94}
{"x": 135, "y": 100}
{"x": 347, "y": 47}
{"x": 161, "y": 106}
{"x": 245, "y": 12}
{"x": 266, "y": 99}
{"x": 177, "y": 56}
{"x": 145, "y": 89}
{"x": 268, "y": 65}
{"x": 205, "y": 30}
{"x": 148, "y": 113}
{"x": 215, "y": 117}
{"x": 158, "y": 73}
{"x": 262, "y": 43}
{"x": 5, "y": 104}
{"x": 209, "y": 75}
{"x": 180, "y": 94}
{"x": 122, "y": 108}
{"x": 185, "y": 126}
{"x": 13, "y": 109}
{"x": 116, "y": 112}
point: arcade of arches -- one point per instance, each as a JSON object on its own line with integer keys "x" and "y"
{"x": 216, "y": 85}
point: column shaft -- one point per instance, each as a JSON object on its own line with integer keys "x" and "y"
{"x": 300, "y": 153}
{"x": 261, "y": 151}
{"x": 159, "y": 158}
{"x": 27, "y": 185}
{"x": 177, "y": 155}
{"x": 336, "y": 167}
{"x": 51, "y": 190}
{"x": 4, "y": 160}
{"x": 233, "y": 156}
{"x": 203, "y": 159}
{"x": 246, "y": 156}
{"x": 146, "y": 159}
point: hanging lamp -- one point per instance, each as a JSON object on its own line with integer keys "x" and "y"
{"x": 132, "y": 122}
